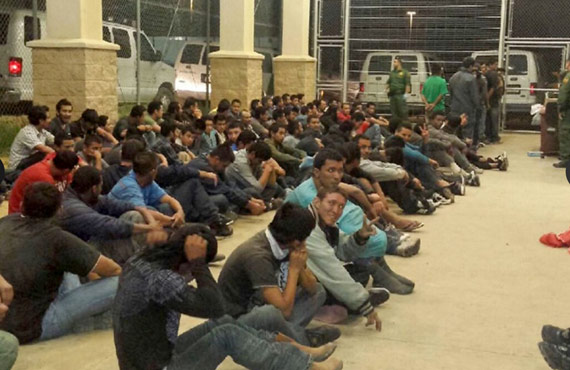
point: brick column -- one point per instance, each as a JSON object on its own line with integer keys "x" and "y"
{"x": 73, "y": 61}
{"x": 236, "y": 69}
{"x": 295, "y": 70}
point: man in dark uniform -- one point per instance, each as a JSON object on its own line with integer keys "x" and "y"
{"x": 397, "y": 86}
{"x": 564, "y": 111}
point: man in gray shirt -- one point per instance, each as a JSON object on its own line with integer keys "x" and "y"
{"x": 465, "y": 95}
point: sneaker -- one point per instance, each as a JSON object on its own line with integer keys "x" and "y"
{"x": 457, "y": 188}
{"x": 473, "y": 179}
{"x": 433, "y": 204}
{"x": 218, "y": 258}
{"x": 561, "y": 164}
{"x": 231, "y": 215}
{"x": 322, "y": 335}
{"x": 384, "y": 265}
{"x": 222, "y": 231}
{"x": 408, "y": 248}
{"x": 425, "y": 208}
{"x": 477, "y": 170}
{"x": 404, "y": 236}
{"x": 378, "y": 296}
{"x": 223, "y": 220}
{"x": 448, "y": 194}
{"x": 557, "y": 357}
{"x": 384, "y": 279}
{"x": 441, "y": 199}
{"x": 554, "y": 335}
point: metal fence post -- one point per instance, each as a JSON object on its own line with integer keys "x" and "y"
{"x": 138, "y": 41}
{"x": 35, "y": 17}
{"x": 208, "y": 21}
{"x": 345, "y": 56}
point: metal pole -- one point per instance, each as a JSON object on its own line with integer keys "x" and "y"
{"x": 346, "y": 50}
{"x": 315, "y": 42}
{"x": 503, "y": 30}
{"x": 35, "y": 22}
{"x": 138, "y": 66}
{"x": 208, "y": 15}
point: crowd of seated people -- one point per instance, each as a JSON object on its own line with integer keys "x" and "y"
{"x": 148, "y": 197}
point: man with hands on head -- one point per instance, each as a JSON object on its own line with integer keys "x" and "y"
{"x": 329, "y": 249}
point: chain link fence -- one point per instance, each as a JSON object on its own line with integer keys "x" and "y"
{"x": 171, "y": 62}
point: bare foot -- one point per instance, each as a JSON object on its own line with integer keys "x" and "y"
{"x": 330, "y": 364}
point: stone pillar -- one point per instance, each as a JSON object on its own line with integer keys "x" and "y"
{"x": 236, "y": 69}
{"x": 295, "y": 70}
{"x": 72, "y": 61}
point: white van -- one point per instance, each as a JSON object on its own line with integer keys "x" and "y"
{"x": 191, "y": 65}
{"x": 16, "y": 29}
{"x": 524, "y": 77}
{"x": 376, "y": 71}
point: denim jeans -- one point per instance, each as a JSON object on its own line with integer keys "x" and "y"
{"x": 196, "y": 203}
{"x": 270, "y": 318}
{"x": 205, "y": 346}
{"x": 8, "y": 350}
{"x": 479, "y": 134}
{"x": 76, "y": 302}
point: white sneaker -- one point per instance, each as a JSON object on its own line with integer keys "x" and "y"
{"x": 409, "y": 248}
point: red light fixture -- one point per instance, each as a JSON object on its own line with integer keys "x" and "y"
{"x": 533, "y": 86}
{"x": 361, "y": 87}
{"x": 15, "y": 67}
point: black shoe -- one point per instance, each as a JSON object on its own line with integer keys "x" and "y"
{"x": 222, "y": 231}
{"x": 224, "y": 220}
{"x": 378, "y": 296}
{"x": 557, "y": 357}
{"x": 384, "y": 265}
{"x": 424, "y": 207}
{"x": 322, "y": 335}
{"x": 218, "y": 258}
{"x": 555, "y": 335}
{"x": 383, "y": 279}
{"x": 561, "y": 164}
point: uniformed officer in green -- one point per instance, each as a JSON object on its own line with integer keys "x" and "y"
{"x": 397, "y": 86}
{"x": 564, "y": 125}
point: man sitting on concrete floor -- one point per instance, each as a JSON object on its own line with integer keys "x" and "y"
{"x": 392, "y": 178}
{"x": 154, "y": 291}
{"x": 327, "y": 173}
{"x": 288, "y": 158}
{"x": 61, "y": 123}
{"x": 34, "y": 256}
{"x": 179, "y": 181}
{"x": 32, "y": 142}
{"x": 140, "y": 189}
{"x": 117, "y": 229}
{"x": 56, "y": 171}
{"x": 255, "y": 172}
{"x": 91, "y": 152}
{"x": 329, "y": 249}
{"x": 8, "y": 343}
{"x": 267, "y": 285}
{"x": 223, "y": 193}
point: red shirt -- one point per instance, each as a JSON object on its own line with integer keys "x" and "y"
{"x": 341, "y": 117}
{"x": 39, "y": 172}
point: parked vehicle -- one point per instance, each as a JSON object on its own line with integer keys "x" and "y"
{"x": 525, "y": 75}
{"x": 16, "y": 29}
{"x": 191, "y": 66}
{"x": 376, "y": 71}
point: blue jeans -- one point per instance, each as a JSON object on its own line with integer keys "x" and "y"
{"x": 205, "y": 346}
{"x": 76, "y": 302}
{"x": 270, "y": 318}
{"x": 8, "y": 350}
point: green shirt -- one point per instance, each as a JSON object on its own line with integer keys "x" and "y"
{"x": 398, "y": 81}
{"x": 433, "y": 88}
{"x": 564, "y": 94}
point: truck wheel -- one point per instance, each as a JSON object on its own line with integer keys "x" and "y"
{"x": 165, "y": 96}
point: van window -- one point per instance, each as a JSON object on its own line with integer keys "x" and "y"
{"x": 380, "y": 64}
{"x": 410, "y": 63}
{"x": 205, "y": 56}
{"x": 147, "y": 51}
{"x": 29, "y": 29}
{"x": 106, "y": 34}
{"x": 4, "y": 22}
{"x": 122, "y": 39}
{"x": 191, "y": 54}
{"x": 518, "y": 65}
